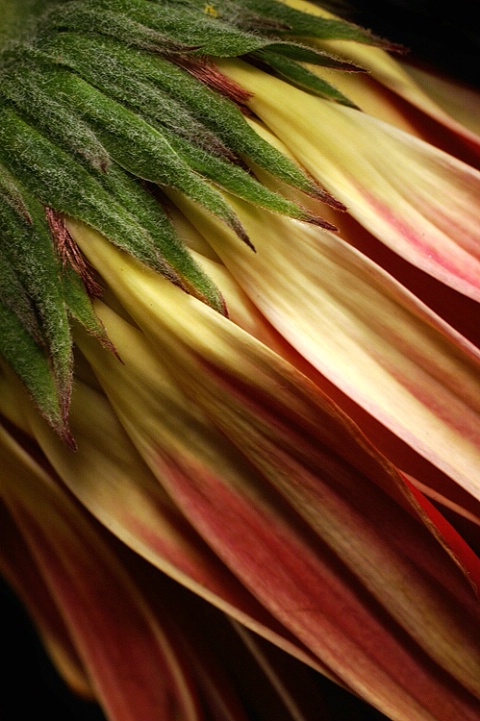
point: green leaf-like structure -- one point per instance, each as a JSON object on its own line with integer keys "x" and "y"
{"x": 103, "y": 105}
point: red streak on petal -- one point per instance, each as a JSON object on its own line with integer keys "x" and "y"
{"x": 463, "y": 555}
{"x": 312, "y": 593}
{"x": 431, "y": 260}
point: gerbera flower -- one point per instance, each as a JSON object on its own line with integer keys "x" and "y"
{"x": 239, "y": 378}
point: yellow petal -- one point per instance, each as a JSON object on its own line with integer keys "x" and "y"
{"x": 393, "y": 75}
{"x": 365, "y": 332}
{"x": 416, "y": 199}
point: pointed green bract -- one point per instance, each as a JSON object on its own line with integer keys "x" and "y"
{"x": 305, "y": 54}
{"x": 25, "y": 88}
{"x": 151, "y": 216}
{"x": 26, "y": 358}
{"x": 79, "y": 305}
{"x": 134, "y": 144}
{"x": 178, "y": 24}
{"x": 65, "y": 185}
{"x": 14, "y": 296}
{"x": 37, "y": 273}
{"x": 176, "y": 260}
{"x": 300, "y": 23}
{"x": 82, "y": 17}
{"x": 237, "y": 181}
{"x": 110, "y": 66}
{"x": 191, "y": 140}
{"x": 297, "y": 74}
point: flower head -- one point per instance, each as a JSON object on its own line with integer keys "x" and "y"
{"x": 239, "y": 405}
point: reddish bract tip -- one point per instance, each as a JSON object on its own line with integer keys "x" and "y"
{"x": 208, "y": 74}
{"x": 320, "y": 222}
{"x": 70, "y": 253}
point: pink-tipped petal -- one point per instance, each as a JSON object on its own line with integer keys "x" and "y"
{"x": 416, "y": 199}
{"x": 366, "y": 333}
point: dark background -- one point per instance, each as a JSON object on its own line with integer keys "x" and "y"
{"x": 30, "y": 687}
{"x": 446, "y": 35}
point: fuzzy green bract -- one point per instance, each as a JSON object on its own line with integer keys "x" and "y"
{"x": 101, "y": 110}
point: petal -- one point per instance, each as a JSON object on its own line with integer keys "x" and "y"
{"x": 393, "y": 75}
{"x": 366, "y": 333}
{"x": 135, "y": 671}
{"x": 436, "y": 484}
{"x": 461, "y": 101}
{"x": 109, "y": 478}
{"x": 416, "y": 199}
{"x": 298, "y": 444}
{"x": 20, "y": 570}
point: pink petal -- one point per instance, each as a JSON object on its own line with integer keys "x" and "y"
{"x": 365, "y": 332}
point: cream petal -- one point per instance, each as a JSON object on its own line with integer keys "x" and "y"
{"x": 366, "y": 333}
{"x": 416, "y": 199}
{"x": 391, "y": 73}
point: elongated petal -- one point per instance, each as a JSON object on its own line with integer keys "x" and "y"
{"x": 253, "y": 323}
{"x": 20, "y": 570}
{"x": 372, "y": 97}
{"x": 129, "y": 385}
{"x": 436, "y": 484}
{"x": 416, "y": 199}
{"x": 279, "y": 422}
{"x": 385, "y": 68}
{"x": 198, "y": 629}
{"x": 134, "y": 669}
{"x": 111, "y": 481}
{"x": 368, "y": 335}
{"x": 461, "y": 101}
{"x": 235, "y": 682}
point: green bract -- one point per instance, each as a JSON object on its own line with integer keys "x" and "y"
{"x": 104, "y": 105}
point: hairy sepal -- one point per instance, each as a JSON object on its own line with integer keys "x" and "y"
{"x": 303, "y": 21}
{"x": 101, "y": 63}
{"x": 67, "y": 186}
{"x": 297, "y": 74}
{"x": 34, "y": 312}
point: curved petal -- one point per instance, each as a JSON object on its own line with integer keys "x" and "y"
{"x": 461, "y": 101}
{"x": 18, "y": 567}
{"x": 434, "y": 482}
{"x": 299, "y": 444}
{"x": 134, "y": 668}
{"x": 366, "y": 333}
{"x": 416, "y": 199}
{"x": 384, "y": 68}
{"x": 109, "y": 478}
